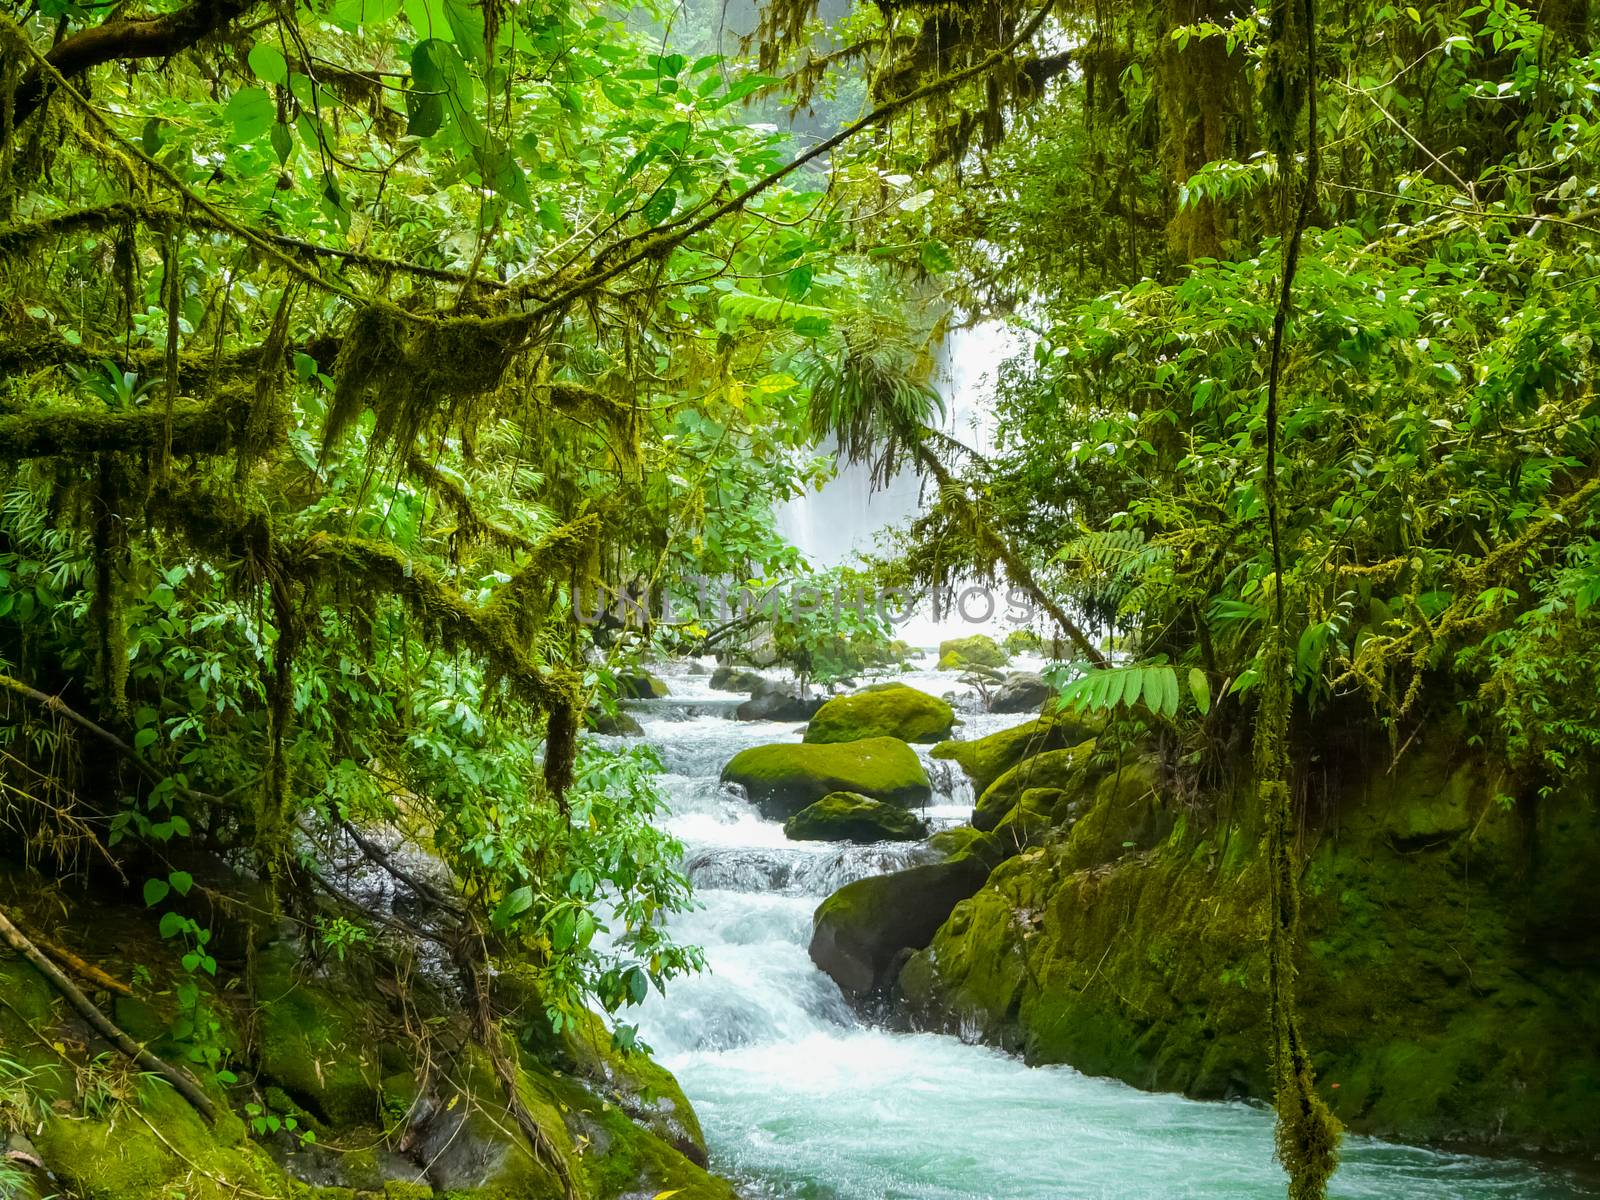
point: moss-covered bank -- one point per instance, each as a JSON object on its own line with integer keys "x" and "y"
{"x": 1450, "y": 966}
{"x": 375, "y": 1058}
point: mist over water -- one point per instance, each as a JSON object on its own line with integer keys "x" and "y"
{"x": 803, "y": 1100}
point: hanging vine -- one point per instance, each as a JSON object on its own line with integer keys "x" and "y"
{"x": 1308, "y": 1134}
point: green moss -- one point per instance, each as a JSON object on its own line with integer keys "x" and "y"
{"x": 1068, "y": 770}
{"x": 646, "y": 1091}
{"x": 1030, "y": 820}
{"x": 1423, "y": 998}
{"x": 979, "y": 650}
{"x": 313, "y": 1040}
{"x": 784, "y": 778}
{"x": 963, "y": 842}
{"x": 985, "y": 759}
{"x": 155, "y": 1148}
{"x": 889, "y": 710}
{"x": 848, "y": 817}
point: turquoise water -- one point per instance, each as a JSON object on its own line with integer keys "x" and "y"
{"x": 803, "y": 1101}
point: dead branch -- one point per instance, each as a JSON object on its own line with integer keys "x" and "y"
{"x": 181, "y": 1080}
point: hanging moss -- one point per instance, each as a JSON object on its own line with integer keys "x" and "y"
{"x": 490, "y": 632}
{"x": 108, "y": 526}
{"x": 409, "y": 370}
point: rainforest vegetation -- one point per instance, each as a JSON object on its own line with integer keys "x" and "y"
{"x": 356, "y": 355}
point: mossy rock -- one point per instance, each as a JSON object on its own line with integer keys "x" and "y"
{"x": 1023, "y": 641}
{"x": 783, "y": 778}
{"x": 640, "y": 685}
{"x": 963, "y": 842}
{"x": 1031, "y": 819}
{"x": 1132, "y": 945}
{"x": 864, "y": 931}
{"x": 635, "y": 1082}
{"x": 313, "y": 1039}
{"x": 736, "y": 679}
{"x": 978, "y": 650}
{"x": 620, "y": 724}
{"x": 887, "y": 710}
{"x": 848, "y": 817}
{"x": 985, "y": 759}
{"x": 1064, "y": 769}
{"x": 156, "y": 1146}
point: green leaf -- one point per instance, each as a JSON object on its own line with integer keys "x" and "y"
{"x": 155, "y": 891}
{"x": 181, "y": 882}
{"x": 251, "y": 112}
{"x": 514, "y": 904}
{"x": 638, "y": 984}
{"x": 282, "y": 142}
{"x": 466, "y": 21}
{"x": 1167, "y": 683}
{"x": 144, "y": 739}
{"x": 660, "y": 206}
{"x": 352, "y": 14}
{"x": 268, "y": 63}
{"x": 428, "y": 18}
{"x": 1200, "y": 689}
{"x": 172, "y": 924}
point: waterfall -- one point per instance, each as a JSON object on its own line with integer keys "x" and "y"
{"x": 846, "y": 516}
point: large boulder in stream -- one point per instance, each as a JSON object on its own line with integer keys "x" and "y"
{"x": 985, "y": 759}
{"x": 849, "y": 817}
{"x": 640, "y": 685}
{"x": 1065, "y": 770}
{"x": 979, "y": 650}
{"x": 783, "y": 778}
{"x": 863, "y": 933}
{"x": 887, "y": 710}
{"x": 1023, "y": 691}
{"x": 737, "y": 679}
{"x": 773, "y": 701}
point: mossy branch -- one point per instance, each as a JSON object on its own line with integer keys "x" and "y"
{"x": 490, "y": 632}
{"x": 22, "y": 236}
{"x": 55, "y": 432}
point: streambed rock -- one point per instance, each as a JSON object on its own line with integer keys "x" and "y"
{"x": 783, "y": 778}
{"x": 887, "y": 710}
{"x": 1063, "y": 769}
{"x": 1450, "y": 992}
{"x": 775, "y": 703}
{"x": 864, "y": 932}
{"x": 641, "y": 685}
{"x": 850, "y": 817}
{"x": 1023, "y": 691}
{"x": 737, "y": 679}
{"x": 979, "y": 650}
{"x": 985, "y": 759}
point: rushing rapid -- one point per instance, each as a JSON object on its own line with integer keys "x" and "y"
{"x": 803, "y": 1100}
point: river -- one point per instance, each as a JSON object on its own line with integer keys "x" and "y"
{"x": 803, "y": 1100}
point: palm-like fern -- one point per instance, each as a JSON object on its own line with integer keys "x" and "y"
{"x": 868, "y": 397}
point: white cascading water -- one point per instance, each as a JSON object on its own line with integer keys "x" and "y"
{"x": 803, "y": 1100}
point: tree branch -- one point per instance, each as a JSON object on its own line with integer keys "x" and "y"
{"x": 124, "y": 39}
